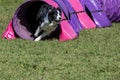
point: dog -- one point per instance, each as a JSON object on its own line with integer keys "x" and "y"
{"x": 47, "y": 18}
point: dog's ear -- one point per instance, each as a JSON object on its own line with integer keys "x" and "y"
{"x": 59, "y": 9}
{"x": 50, "y": 8}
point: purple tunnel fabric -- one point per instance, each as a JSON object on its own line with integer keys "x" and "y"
{"x": 96, "y": 13}
{"x": 112, "y": 9}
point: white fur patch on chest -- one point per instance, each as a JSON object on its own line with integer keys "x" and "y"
{"x": 49, "y": 27}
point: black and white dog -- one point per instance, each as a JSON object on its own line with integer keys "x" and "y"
{"x": 48, "y": 19}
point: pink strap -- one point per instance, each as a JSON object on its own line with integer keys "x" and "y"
{"x": 51, "y": 2}
{"x": 76, "y": 5}
{"x": 67, "y": 31}
{"x": 9, "y": 33}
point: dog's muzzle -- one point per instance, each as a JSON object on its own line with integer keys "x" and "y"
{"x": 59, "y": 19}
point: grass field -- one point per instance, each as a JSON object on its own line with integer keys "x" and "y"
{"x": 94, "y": 55}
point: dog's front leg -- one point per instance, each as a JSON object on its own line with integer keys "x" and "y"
{"x": 38, "y": 30}
{"x": 41, "y": 36}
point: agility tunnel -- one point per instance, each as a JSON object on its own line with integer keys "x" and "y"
{"x": 77, "y": 15}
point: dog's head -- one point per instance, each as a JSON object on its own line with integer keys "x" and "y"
{"x": 55, "y": 14}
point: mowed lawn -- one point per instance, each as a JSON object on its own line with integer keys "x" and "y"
{"x": 94, "y": 55}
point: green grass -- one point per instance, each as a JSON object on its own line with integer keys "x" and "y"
{"x": 94, "y": 55}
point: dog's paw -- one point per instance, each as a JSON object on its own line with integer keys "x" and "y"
{"x": 38, "y": 38}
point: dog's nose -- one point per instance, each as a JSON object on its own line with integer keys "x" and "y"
{"x": 60, "y": 18}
